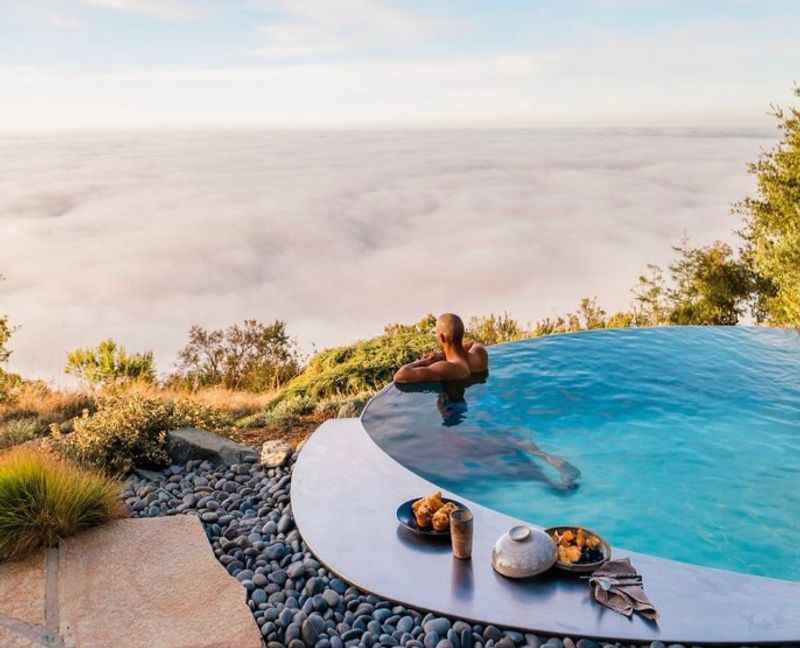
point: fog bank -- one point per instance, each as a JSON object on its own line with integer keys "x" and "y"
{"x": 137, "y": 236}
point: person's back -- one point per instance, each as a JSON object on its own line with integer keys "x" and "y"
{"x": 456, "y": 360}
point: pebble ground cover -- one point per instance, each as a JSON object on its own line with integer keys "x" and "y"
{"x": 295, "y": 600}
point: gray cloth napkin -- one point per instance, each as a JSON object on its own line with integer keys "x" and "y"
{"x": 625, "y": 599}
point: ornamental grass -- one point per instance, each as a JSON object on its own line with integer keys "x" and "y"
{"x": 44, "y": 498}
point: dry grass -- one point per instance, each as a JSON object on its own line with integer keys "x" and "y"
{"x": 37, "y": 400}
{"x": 43, "y": 499}
{"x": 236, "y": 404}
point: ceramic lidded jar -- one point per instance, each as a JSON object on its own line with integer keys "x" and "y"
{"x": 522, "y": 552}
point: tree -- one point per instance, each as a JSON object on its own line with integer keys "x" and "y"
{"x": 494, "y": 329}
{"x": 109, "y": 363}
{"x": 710, "y": 285}
{"x": 254, "y": 357}
{"x": 5, "y": 335}
{"x": 771, "y": 231}
{"x": 650, "y": 302}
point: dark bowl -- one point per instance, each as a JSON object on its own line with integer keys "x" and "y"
{"x": 582, "y": 568}
{"x": 406, "y": 518}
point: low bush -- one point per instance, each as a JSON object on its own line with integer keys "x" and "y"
{"x": 18, "y": 431}
{"x": 43, "y": 499}
{"x": 235, "y": 404}
{"x": 343, "y": 407}
{"x": 130, "y": 430}
{"x": 285, "y": 411}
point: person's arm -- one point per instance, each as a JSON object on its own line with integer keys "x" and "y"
{"x": 417, "y": 372}
{"x": 433, "y": 356}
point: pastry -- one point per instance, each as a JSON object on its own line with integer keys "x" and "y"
{"x": 441, "y": 519}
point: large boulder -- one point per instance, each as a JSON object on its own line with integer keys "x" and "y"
{"x": 190, "y": 443}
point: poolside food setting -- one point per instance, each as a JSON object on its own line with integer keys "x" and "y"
{"x": 681, "y": 445}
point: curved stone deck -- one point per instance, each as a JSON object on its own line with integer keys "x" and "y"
{"x": 345, "y": 490}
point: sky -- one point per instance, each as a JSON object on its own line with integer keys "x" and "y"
{"x": 109, "y": 64}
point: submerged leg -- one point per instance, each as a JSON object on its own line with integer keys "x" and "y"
{"x": 568, "y": 474}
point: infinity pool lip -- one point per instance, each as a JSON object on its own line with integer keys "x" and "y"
{"x": 345, "y": 490}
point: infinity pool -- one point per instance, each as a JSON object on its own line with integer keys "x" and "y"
{"x": 679, "y": 442}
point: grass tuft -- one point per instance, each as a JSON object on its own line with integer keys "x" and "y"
{"x": 43, "y": 499}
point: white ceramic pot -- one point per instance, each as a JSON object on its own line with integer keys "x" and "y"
{"x": 522, "y": 552}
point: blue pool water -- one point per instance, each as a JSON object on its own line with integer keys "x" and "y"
{"x": 678, "y": 442}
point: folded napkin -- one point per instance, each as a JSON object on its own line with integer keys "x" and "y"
{"x": 623, "y": 597}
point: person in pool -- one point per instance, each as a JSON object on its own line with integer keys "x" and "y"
{"x": 458, "y": 360}
{"x": 511, "y": 452}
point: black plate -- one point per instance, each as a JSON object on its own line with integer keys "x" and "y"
{"x": 406, "y": 518}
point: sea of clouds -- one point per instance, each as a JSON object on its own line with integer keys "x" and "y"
{"x": 137, "y": 236}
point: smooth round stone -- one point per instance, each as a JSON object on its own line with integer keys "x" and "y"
{"x": 387, "y": 640}
{"x": 444, "y": 643}
{"x": 258, "y": 596}
{"x": 296, "y": 643}
{"x": 492, "y": 633}
{"x": 588, "y": 643}
{"x": 431, "y": 639}
{"x": 314, "y": 586}
{"x": 454, "y": 638}
{"x": 568, "y": 643}
{"x": 438, "y": 625}
{"x": 405, "y": 624}
{"x": 466, "y": 638}
{"x": 381, "y": 615}
{"x": 259, "y": 580}
{"x": 331, "y": 597}
{"x": 338, "y": 586}
{"x": 284, "y": 524}
{"x": 506, "y": 642}
{"x": 533, "y": 641}
{"x": 292, "y": 632}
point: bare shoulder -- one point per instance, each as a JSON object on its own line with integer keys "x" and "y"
{"x": 478, "y": 358}
{"x": 450, "y": 370}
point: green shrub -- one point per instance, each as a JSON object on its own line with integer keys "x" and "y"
{"x": 43, "y": 499}
{"x": 130, "y": 430}
{"x": 258, "y": 419}
{"x": 109, "y": 363}
{"x": 343, "y": 407}
{"x": 365, "y": 366}
{"x": 285, "y": 411}
{"x": 20, "y": 430}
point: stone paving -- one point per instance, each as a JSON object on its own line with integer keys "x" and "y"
{"x": 127, "y": 584}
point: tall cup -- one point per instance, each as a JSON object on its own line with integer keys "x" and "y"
{"x": 461, "y": 533}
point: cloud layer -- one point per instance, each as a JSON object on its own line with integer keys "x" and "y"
{"x": 139, "y": 236}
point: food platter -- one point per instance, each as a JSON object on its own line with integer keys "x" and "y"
{"x": 602, "y": 550}
{"x": 405, "y": 516}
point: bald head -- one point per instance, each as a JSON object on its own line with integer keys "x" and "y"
{"x": 450, "y": 329}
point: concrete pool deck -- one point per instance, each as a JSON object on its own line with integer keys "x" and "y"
{"x": 345, "y": 491}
